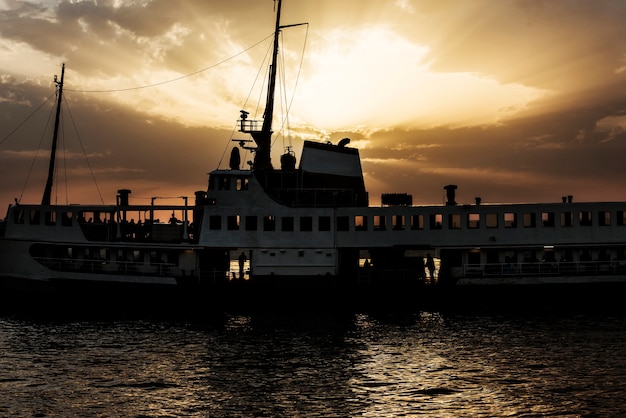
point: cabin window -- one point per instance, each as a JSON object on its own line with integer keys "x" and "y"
{"x": 397, "y": 222}
{"x": 491, "y": 220}
{"x": 306, "y": 223}
{"x": 224, "y": 183}
{"x": 18, "y": 216}
{"x": 324, "y": 223}
{"x": 473, "y": 220}
{"x": 529, "y": 220}
{"x": 215, "y": 222}
{"x": 269, "y": 223}
{"x": 436, "y": 220}
{"x": 360, "y": 223}
{"x": 343, "y": 223}
{"x": 66, "y": 219}
{"x": 621, "y": 217}
{"x": 417, "y": 222}
{"x": 287, "y": 223}
{"x": 251, "y": 223}
{"x": 34, "y": 217}
{"x": 50, "y": 218}
{"x": 233, "y": 222}
{"x": 584, "y": 218}
{"x": 604, "y": 218}
{"x": 454, "y": 221}
{"x": 547, "y": 219}
{"x": 473, "y": 257}
{"x": 242, "y": 183}
{"x": 510, "y": 220}
{"x": 567, "y": 219}
{"x": 379, "y": 223}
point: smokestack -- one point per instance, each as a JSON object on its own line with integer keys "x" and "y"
{"x": 450, "y": 193}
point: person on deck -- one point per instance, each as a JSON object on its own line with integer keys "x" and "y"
{"x": 242, "y": 260}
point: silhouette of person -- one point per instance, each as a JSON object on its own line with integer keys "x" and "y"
{"x": 430, "y": 264}
{"x": 242, "y": 260}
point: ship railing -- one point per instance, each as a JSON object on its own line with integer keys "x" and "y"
{"x": 545, "y": 268}
{"x": 107, "y": 266}
{"x": 250, "y": 125}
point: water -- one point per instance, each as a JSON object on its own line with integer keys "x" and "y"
{"x": 314, "y": 365}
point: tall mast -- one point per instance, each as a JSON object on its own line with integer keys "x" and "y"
{"x": 263, "y": 137}
{"x": 269, "y": 106}
{"x": 48, "y": 190}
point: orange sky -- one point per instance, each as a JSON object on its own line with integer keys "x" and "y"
{"x": 513, "y": 101}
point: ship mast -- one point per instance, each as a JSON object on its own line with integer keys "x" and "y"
{"x": 263, "y": 137}
{"x": 48, "y": 190}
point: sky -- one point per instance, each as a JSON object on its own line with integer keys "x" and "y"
{"x": 511, "y": 100}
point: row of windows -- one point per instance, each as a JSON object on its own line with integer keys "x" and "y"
{"x": 270, "y": 223}
{"x": 378, "y": 222}
{"x": 417, "y": 222}
{"x": 36, "y": 217}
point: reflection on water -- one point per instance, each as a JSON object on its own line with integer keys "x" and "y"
{"x": 423, "y": 363}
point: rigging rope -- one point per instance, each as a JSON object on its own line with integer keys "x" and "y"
{"x": 32, "y": 164}
{"x": 82, "y": 147}
{"x": 28, "y": 117}
{"x": 174, "y": 79}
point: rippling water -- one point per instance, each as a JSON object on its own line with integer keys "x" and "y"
{"x": 344, "y": 364}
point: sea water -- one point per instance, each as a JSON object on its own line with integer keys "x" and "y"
{"x": 314, "y": 364}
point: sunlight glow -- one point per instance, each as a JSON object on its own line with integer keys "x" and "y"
{"x": 376, "y": 78}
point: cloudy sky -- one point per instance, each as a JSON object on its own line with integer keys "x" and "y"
{"x": 512, "y": 100}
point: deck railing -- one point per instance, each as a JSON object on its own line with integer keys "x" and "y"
{"x": 546, "y": 268}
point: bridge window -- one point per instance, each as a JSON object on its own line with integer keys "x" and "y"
{"x": 360, "y": 223}
{"x": 584, "y": 218}
{"x": 621, "y": 217}
{"x": 251, "y": 224}
{"x": 436, "y": 221}
{"x": 510, "y": 220}
{"x": 454, "y": 221}
{"x": 66, "y": 219}
{"x": 397, "y": 222}
{"x": 242, "y": 183}
{"x": 34, "y": 217}
{"x": 547, "y": 219}
{"x": 269, "y": 223}
{"x": 233, "y": 222}
{"x": 224, "y": 183}
{"x": 530, "y": 220}
{"x": 287, "y": 223}
{"x": 417, "y": 222}
{"x": 324, "y": 223}
{"x": 379, "y": 223}
{"x": 50, "y": 218}
{"x": 604, "y": 218}
{"x": 343, "y": 223}
{"x": 306, "y": 223}
{"x": 567, "y": 219}
{"x": 491, "y": 220}
{"x": 473, "y": 220}
{"x": 18, "y": 216}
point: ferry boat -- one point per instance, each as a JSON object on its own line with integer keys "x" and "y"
{"x": 308, "y": 224}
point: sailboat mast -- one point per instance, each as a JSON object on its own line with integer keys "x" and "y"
{"x": 48, "y": 190}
